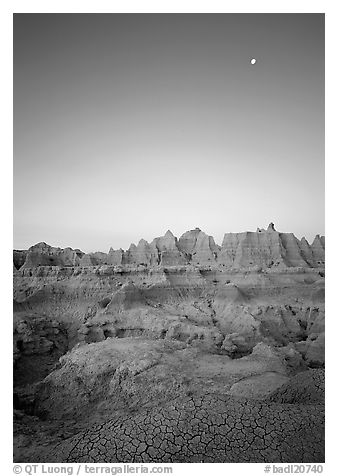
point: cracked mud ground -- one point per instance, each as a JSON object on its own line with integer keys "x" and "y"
{"x": 210, "y": 428}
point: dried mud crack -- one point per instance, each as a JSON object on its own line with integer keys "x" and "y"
{"x": 208, "y": 428}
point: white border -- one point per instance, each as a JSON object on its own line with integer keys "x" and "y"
{"x": 330, "y": 10}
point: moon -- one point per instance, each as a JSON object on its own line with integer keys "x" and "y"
{"x": 253, "y": 61}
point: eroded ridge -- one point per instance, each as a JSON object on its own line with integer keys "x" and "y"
{"x": 203, "y": 428}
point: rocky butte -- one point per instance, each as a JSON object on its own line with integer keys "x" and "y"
{"x": 178, "y": 350}
{"x": 266, "y": 248}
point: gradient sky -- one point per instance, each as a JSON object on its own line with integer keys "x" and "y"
{"x": 126, "y": 125}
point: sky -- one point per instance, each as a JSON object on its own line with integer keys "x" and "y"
{"x": 126, "y": 125}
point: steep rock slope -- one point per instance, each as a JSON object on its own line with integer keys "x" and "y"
{"x": 199, "y": 248}
{"x": 266, "y": 248}
{"x": 168, "y": 252}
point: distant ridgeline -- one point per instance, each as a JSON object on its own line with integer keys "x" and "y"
{"x": 263, "y": 248}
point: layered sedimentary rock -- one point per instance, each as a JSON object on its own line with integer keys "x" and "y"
{"x": 115, "y": 257}
{"x": 87, "y": 260}
{"x": 318, "y": 250}
{"x": 42, "y": 254}
{"x": 19, "y": 257}
{"x": 169, "y": 254}
{"x": 268, "y": 248}
{"x": 306, "y": 251}
{"x": 263, "y": 248}
{"x": 143, "y": 254}
{"x": 249, "y": 249}
{"x": 199, "y": 248}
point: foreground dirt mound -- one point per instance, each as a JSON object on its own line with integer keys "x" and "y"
{"x": 306, "y": 388}
{"x": 208, "y": 428}
{"x": 130, "y": 373}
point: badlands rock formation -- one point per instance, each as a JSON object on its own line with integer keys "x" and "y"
{"x": 42, "y": 254}
{"x": 265, "y": 248}
{"x": 222, "y": 347}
